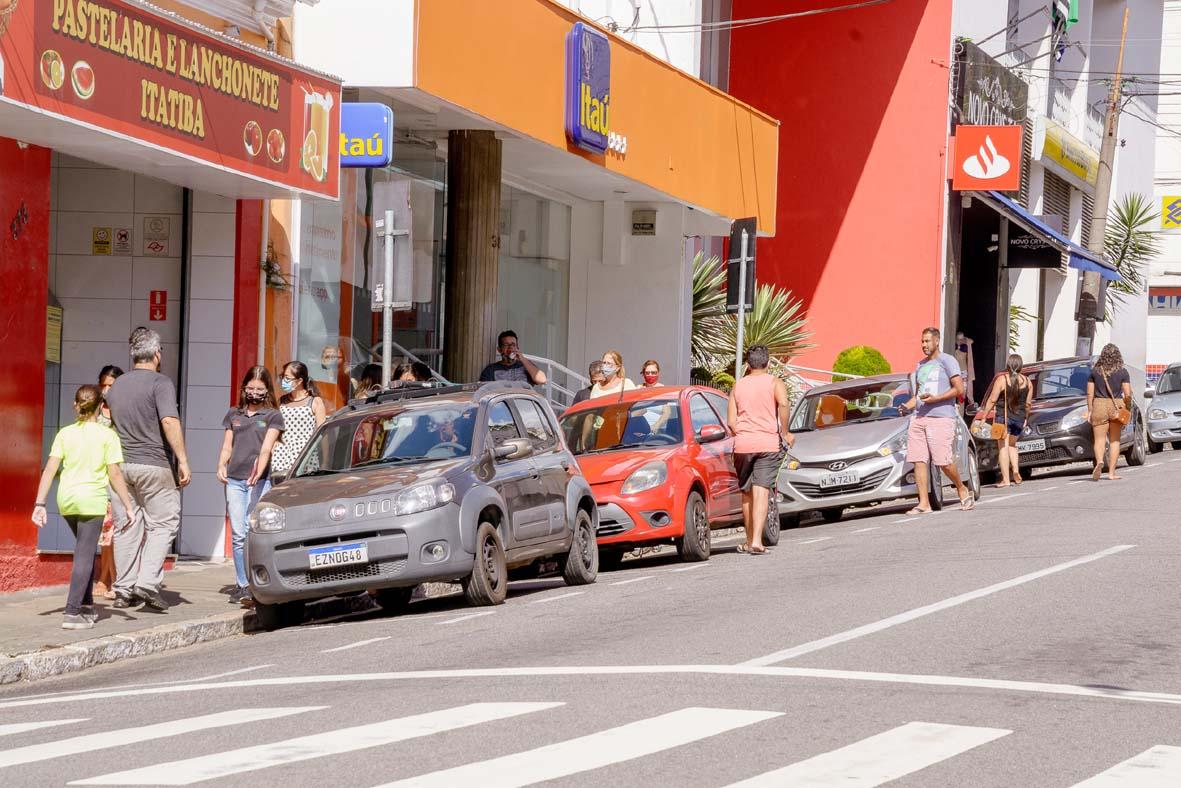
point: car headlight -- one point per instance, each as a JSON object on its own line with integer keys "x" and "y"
{"x": 1157, "y": 413}
{"x": 791, "y": 463}
{"x": 423, "y": 498}
{"x": 895, "y": 446}
{"x": 646, "y": 477}
{"x": 1075, "y": 418}
{"x": 267, "y": 518}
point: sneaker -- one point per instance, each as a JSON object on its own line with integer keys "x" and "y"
{"x": 236, "y": 596}
{"x": 151, "y": 598}
{"x": 88, "y": 612}
{"x": 245, "y": 598}
{"x": 70, "y": 621}
{"x": 124, "y": 600}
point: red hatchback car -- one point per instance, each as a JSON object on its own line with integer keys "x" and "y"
{"x": 660, "y": 463}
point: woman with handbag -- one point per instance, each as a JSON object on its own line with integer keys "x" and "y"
{"x": 1015, "y": 393}
{"x": 1108, "y": 411}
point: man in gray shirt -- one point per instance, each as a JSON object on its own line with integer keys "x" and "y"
{"x": 144, "y": 415}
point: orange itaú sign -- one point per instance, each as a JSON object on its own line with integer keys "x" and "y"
{"x": 987, "y": 158}
{"x": 122, "y": 68}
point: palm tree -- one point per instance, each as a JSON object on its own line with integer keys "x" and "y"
{"x": 709, "y": 305}
{"x": 1130, "y": 246}
{"x": 777, "y": 321}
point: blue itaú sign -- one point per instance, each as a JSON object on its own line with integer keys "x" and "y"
{"x": 588, "y": 88}
{"x": 366, "y": 135}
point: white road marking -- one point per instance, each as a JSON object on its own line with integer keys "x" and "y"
{"x": 689, "y": 568}
{"x": 817, "y": 539}
{"x": 632, "y": 580}
{"x": 1000, "y": 685}
{"x": 317, "y": 745}
{"x": 1047, "y": 489}
{"x": 21, "y": 727}
{"x": 120, "y": 738}
{"x": 358, "y": 644}
{"x": 594, "y": 751}
{"x": 1001, "y": 498}
{"x": 1159, "y": 767}
{"x": 863, "y": 530}
{"x": 228, "y": 673}
{"x": 1080, "y": 481}
{"x": 879, "y": 759}
{"x": 556, "y": 598}
{"x": 468, "y": 617}
{"x": 1176, "y": 460}
{"x": 926, "y": 610}
{"x": 908, "y": 519}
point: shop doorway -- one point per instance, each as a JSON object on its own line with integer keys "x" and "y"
{"x": 982, "y": 299}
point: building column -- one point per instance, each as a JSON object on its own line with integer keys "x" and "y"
{"x": 473, "y": 251}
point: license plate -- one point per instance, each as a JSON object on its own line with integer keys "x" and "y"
{"x": 842, "y": 479}
{"x": 1034, "y": 445}
{"x": 338, "y": 555}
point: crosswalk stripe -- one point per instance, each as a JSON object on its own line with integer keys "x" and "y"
{"x": 593, "y": 751}
{"x": 262, "y": 756}
{"x": 21, "y": 727}
{"x": 1159, "y": 767}
{"x": 109, "y": 739}
{"x": 879, "y": 759}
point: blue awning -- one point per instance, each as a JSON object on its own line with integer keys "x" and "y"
{"x": 1077, "y": 256}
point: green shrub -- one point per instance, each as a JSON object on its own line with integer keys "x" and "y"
{"x": 861, "y": 360}
{"x": 723, "y": 381}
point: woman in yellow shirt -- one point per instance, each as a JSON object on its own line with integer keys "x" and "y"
{"x": 88, "y": 455}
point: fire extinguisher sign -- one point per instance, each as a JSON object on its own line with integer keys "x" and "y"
{"x": 158, "y": 305}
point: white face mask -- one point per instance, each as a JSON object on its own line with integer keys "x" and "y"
{"x": 609, "y": 370}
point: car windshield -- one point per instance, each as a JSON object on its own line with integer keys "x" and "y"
{"x": 851, "y": 404}
{"x": 1060, "y": 382}
{"x": 624, "y": 425}
{"x": 1170, "y": 381}
{"x": 418, "y": 433}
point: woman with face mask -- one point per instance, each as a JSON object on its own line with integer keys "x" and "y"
{"x": 302, "y": 410}
{"x": 252, "y": 428}
{"x": 615, "y": 378}
{"x": 651, "y": 373}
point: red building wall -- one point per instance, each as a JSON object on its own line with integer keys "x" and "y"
{"x": 24, "y": 270}
{"x": 861, "y": 96}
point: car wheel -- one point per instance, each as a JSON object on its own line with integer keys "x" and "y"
{"x": 284, "y": 614}
{"x": 1138, "y": 452}
{"x": 936, "y": 488}
{"x": 394, "y": 600}
{"x": 582, "y": 562}
{"x": 610, "y": 560}
{"x": 771, "y": 527}
{"x": 488, "y": 582}
{"x": 832, "y": 514}
{"x": 1154, "y": 447}
{"x": 694, "y": 545}
{"x": 987, "y": 477}
{"x": 973, "y": 476}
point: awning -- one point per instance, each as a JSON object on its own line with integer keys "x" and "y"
{"x": 1078, "y": 257}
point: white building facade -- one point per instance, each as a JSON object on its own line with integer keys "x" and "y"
{"x": 1164, "y": 283}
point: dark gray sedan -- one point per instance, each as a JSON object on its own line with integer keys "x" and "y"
{"x": 459, "y": 483}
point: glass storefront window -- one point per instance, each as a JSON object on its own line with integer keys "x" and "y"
{"x": 533, "y": 283}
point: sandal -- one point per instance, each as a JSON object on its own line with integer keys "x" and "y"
{"x": 967, "y": 503}
{"x": 743, "y": 548}
{"x": 1017, "y": 479}
{"x": 1000, "y": 485}
{"x": 917, "y": 510}
{"x": 760, "y": 551}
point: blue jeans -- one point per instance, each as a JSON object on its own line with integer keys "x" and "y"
{"x": 241, "y": 498}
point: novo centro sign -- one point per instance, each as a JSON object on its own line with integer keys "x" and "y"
{"x": 588, "y": 92}
{"x": 134, "y": 72}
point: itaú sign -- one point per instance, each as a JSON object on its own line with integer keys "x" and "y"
{"x": 588, "y": 90}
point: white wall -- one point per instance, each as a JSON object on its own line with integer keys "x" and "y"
{"x": 1164, "y": 331}
{"x": 681, "y": 48}
{"x": 367, "y": 43}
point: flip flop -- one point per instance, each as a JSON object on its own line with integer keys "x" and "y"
{"x": 917, "y": 510}
{"x": 760, "y": 551}
{"x": 967, "y": 503}
{"x": 1096, "y": 473}
{"x": 743, "y": 548}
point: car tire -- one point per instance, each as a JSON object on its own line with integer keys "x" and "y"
{"x": 935, "y": 488}
{"x": 1137, "y": 453}
{"x": 278, "y": 616}
{"x": 694, "y": 545}
{"x": 394, "y": 601}
{"x": 581, "y": 564}
{"x": 771, "y": 528}
{"x": 988, "y": 477}
{"x": 789, "y": 521}
{"x": 832, "y": 514}
{"x": 610, "y": 560}
{"x": 1154, "y": 447}
{"x": 973, "y": 476}
{"x": 488, "y": 582}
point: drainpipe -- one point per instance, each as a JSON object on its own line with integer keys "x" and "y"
{"x": 262, "y": 281}
{"x": 259, "y": 5}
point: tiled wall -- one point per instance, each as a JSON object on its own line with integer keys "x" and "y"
{"x": 103, "y": 297}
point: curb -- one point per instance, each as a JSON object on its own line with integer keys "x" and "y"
{"x": 168, "y": 637}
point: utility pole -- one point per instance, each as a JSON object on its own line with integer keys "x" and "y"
{"x": 1092, "y": 282}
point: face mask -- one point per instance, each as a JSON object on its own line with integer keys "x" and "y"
{"x": 255, "y": 397}
{"x": 651, "y": 377}
{"x": 287, "y": 385}
{"x": 609, "y": 369}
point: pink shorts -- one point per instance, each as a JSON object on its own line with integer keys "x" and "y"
{"x": 929, "y": 439}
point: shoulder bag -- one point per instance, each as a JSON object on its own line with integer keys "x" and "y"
{"x": 998, "y": 431}
{"x": 1122, "y": 414}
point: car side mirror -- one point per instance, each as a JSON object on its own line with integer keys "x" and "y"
{"x": 278, "y": 478}
{"x": 1148, "y": 393}
{"x": 711, "y": 433}
{"x": 513, "y": 449}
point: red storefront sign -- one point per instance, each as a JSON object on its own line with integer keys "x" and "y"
{"x": 127, "y": 70}
{"x": 158, "y": 305}
{"x": 987, "y": 158}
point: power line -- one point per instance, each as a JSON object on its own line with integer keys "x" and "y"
{"x": 737, "y": 24}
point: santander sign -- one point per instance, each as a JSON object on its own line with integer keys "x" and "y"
{"x": 987, "y": 158}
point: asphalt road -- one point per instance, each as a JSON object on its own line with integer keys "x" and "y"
{"x": 1031, "y": 642}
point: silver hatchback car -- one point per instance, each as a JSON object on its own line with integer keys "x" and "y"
{"x": 850, "y": 450}
{"x": 1164, "y": 410}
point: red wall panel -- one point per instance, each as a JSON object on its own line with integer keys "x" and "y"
{"x": 862, "y": 100}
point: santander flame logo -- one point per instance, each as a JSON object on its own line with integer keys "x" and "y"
{"x": 987, "y": 163}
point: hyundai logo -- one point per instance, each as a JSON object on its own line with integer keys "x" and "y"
{"x": 839, "y": 465}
